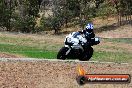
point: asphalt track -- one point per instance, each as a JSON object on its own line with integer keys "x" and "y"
{"x": 54, "y": 60}
{"x": 45, "y": 73}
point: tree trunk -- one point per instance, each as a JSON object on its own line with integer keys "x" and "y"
{"x": 22, "y": 12}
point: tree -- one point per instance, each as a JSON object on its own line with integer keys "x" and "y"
{"x": 6, "y": 10}
{"x": 124, "y": 8}
{"x": 56, "y": 20}
{"x": 28, "y": 12}
{"x": 33, "y": 8}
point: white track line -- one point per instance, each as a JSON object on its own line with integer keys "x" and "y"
{"x": 55, "y": 60}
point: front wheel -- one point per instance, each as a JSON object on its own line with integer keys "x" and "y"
{"x": 62, "y": 53}
{"x": 87, "y": 54}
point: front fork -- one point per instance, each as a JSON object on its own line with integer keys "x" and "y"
{"x": 69, "y": 49}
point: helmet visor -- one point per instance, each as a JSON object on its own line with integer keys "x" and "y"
{"x": 89, "y": 30}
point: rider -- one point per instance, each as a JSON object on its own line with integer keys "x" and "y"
{"x": 81, "y": 36}
{"x": 88, "y": 31}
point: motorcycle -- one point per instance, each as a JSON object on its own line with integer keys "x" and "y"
{"x": 83, "y": 52}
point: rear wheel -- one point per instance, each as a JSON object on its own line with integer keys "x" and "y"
{"x": 62, "y": 53}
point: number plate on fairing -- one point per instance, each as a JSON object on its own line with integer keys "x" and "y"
{"x": 97, "y": 39}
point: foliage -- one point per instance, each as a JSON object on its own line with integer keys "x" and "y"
{"x": 33, "y": 8}
{"x": 6, "y": 10}
{"x": 26, "y": 24}
{"x": 22, "y": 15}
{"x": 105, "y": 9}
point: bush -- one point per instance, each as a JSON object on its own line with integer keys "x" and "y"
{"x": 26, "y": 24}
{"x": 105, "y": 9}
{"x": 51, "y": 23}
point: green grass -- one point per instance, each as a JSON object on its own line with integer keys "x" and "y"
{"x": 34, "y": 52}
{"x": 120, "y": 55}
{"x": 27, "y": 51}
{"x": 112, "y": 56}
{"x": 28, "y": 47}
{"x": 39, "y": 54}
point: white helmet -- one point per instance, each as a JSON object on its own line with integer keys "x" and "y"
{"x": 89, "y": 27}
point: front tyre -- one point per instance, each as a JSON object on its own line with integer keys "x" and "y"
{"x": 62, "y": 53}
{"x": 87, "y": 54}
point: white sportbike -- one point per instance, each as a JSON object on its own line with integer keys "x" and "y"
{"x": 78, "y": 48}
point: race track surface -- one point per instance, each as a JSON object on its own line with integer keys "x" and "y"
{"x": 38, "y": 73}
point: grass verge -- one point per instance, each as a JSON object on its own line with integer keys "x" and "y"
{"x": 34, "y": 48}
{"x": 33, "y": 52}
{"x": 112, "y": 56}
{"x": 119, "y": 40}
{"x": 27, "y": 51}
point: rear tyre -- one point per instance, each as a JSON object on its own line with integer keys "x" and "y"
{"x": 87, "y": 54}
{"x": 62, "y": 53}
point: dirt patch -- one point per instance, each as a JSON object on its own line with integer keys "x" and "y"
{"x": 7, "y": 55}
{"x": 113, "y": 47}
{"x": 121, "y": 32}
{"x": 56, "y": 74}
{"x": 31, "y": 39}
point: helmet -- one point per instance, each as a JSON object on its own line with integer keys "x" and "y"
{"x": 89, "y": 27}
